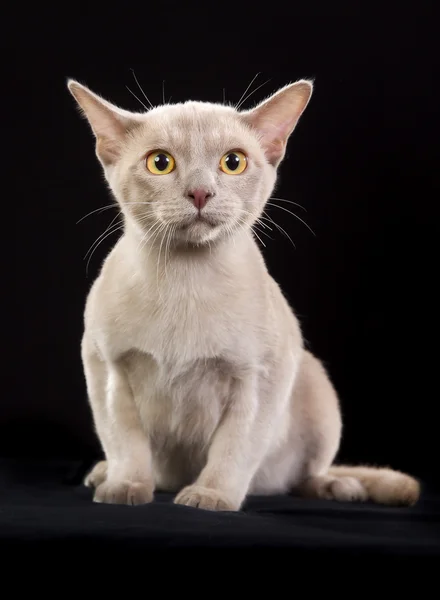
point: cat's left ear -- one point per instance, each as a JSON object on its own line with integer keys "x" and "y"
{"x": 110, "y": 124}
{"x": 276, "y": 118}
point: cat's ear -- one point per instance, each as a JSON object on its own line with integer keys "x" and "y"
{"x": 276, "y": 118}
{"x": 109, "y": 123}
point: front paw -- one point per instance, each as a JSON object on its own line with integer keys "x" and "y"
{"x": 124, "y": 492}
{"x": 206, "y": 498}
{"x": 97, "y": 475}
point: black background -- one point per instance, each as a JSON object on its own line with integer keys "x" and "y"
{"x": 362, "y": 162}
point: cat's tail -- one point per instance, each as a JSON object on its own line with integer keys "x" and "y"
{"x": 362, "y": 483}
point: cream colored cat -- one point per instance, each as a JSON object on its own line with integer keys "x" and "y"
{"x": 195, "y": 367}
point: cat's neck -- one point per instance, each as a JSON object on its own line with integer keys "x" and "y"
{"x": 159, "y": 254}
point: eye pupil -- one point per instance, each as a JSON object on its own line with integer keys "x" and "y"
{"x": 232, "y": 162}
{"x": 161, "y": 162}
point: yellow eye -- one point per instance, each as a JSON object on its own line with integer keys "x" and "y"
{"x": 160, "y": 162}
{"x": 233, "y": 163}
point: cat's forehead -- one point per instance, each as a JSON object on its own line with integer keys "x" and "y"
{"x": 185, "y": 126}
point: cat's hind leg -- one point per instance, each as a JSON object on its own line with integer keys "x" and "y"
{"x": 361, "y": 483}
{"x": 351, "y": 484}
{"x": 315, "y": 411}
{"x": 327, "y": 487}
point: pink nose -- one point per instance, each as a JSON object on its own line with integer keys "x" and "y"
{"x": 199, "y": 197}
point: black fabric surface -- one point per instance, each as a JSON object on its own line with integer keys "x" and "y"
{"x": 45, "y": 508}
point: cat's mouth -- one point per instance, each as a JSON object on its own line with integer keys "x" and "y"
{"x": 199, "y": 228}
{"x": 200, "y": 219}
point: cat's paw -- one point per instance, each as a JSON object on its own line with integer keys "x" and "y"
{"x": 97, "y": 475}
{"x": 206, "y": 498}
{"x": 345, "y": 489}
{"x": 124, "y": 492}
{"x": 342, "y": 489}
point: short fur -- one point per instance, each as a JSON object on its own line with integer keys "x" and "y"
{"x": 195, "y": 366}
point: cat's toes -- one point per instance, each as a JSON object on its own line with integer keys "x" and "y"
{"x": 97, "y": 475}
{"x": 205, "y": 498}
{"x": 124, "y": 492}
{"x": 345, "y": 489}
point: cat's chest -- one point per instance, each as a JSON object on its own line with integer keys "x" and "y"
{"x": 181, "y": 401}
{"x": 184, "y": 328}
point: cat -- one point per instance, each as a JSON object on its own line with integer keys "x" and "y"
{"x": 196, "y": 371}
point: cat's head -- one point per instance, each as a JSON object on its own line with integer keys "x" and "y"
{"x": 194, "y": 171}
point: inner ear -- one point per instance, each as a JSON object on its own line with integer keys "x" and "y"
{"x": 109, "y": 124}
{"x": 275, "y": 119}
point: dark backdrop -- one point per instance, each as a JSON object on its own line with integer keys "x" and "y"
{"x": 362, "y": 162}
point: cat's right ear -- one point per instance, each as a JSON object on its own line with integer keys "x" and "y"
{"x": 109, "y": 123}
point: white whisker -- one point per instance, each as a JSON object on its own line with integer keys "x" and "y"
{"x": 259, "y": 220}
{"x": 237, "y": 106}
{"x": 158, "y": 261}
{"x": 250, "y": 94}
{"x": 283, "y": 231}
{"x": 117, "y": 227}
{"x": 105, "y": 231}
{"x": 139, "y": 86}
{"x": 293, "y": 214}
{"x": 102, "y": 209}
{"x": 262, "y": 231}
{"x": 171, "y": 231}
{"x": 289, "y": 201}
{"x": 138, "y": 99}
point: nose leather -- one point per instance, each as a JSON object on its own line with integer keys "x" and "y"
{"x": 199, "y": 197}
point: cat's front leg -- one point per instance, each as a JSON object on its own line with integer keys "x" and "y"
{"x": 237, "y": 449}
{"x": 128, "y": 477}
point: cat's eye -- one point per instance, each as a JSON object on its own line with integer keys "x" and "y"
{"x": 233, "y": 163}
{"x": 160, "y": 162}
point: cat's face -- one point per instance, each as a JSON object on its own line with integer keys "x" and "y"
{"x": 194, "y": 172}
{"x": 194, "y": 168}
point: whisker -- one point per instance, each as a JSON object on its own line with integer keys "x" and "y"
{"x": 244, "y": 93}
{"x": 151, "y": 240}
{"x": 160, "y": 226}
{"x": 118, "y": 227}
{"x": 160, "y": 249}
{"x": 163, "y": 91}
{"x": 108, "y": 207}
{"x": 158, "y": 261}
{"x": 139, "y": 86}
{"x": 157, "y": 228}
{"x": 246, "y": 224}
{"x": 102, "y": 209}
{"x": 266, "y": 218}
{"x": 263, "y": 224}
{"x": 105, "y": 231}
{"x": 256, "y": 234}
{"x": 224, "y": 95}
{"x": 167, "y": 248}
{"x": 250, "y": 94}
{"x": 138, "y": 99}
{"x": 263, "y": 232}
{"x": 144, "y": 240}
{"x": 288, "y": 201}
{"x": 283, "y": 231}
{"x": 292, "y": 213}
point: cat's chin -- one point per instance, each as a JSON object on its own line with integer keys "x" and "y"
{"x": 198, "y": 231}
